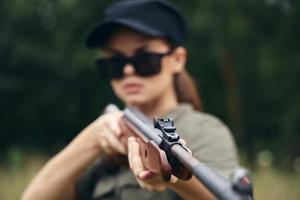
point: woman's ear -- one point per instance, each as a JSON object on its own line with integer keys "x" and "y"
{"x": 179, "y": 57}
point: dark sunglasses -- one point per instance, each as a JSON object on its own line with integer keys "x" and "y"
{"x": 144, "y": 63}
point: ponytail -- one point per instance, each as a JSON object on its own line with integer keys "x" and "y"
{"x": 186, "y": 90}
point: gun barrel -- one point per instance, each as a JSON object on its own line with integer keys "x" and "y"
{"x": 214, "y": 182}
{"x": 143, "y": 125}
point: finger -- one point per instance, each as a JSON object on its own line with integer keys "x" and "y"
{"x": 134, "y": 158}
{"x": 141, "y": 183}
{"x": 144, "y": 185}
{"x": 153, "y": 187}
{"x": 150, "y": 177}
{"x": 105, "y": 145}
{"x": 129, "y": 153}
{"x": 115, "y": 143}
{"x": 113, "y": 123}
{"x": 173, "y": 179}
{"x": 146, "y": 175}
{"x": 182, "y": 141}
{"x": 153, "y": 177}
{"x": 124, "y": 128}
{"x": 158, "y": 188}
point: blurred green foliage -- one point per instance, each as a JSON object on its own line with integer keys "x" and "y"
{"x": 244, "y": 56}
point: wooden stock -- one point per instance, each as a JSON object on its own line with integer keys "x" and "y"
{"x": 153, "y": 158}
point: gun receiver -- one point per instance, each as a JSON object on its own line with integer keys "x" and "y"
{"x": 156, "y": 143}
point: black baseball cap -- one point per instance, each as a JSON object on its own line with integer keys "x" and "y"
{"x": 157, "y": 18}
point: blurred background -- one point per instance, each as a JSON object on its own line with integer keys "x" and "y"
{"x": 244, "y": 56}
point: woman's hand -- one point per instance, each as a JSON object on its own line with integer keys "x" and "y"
{"x": 145, "y": 178}
{"x": 189, "y": 190}
{"x": 56, "y": 180}
{"x": 107, "y": 132}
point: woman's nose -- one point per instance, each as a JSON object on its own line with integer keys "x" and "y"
{"x": 128, "y": 69}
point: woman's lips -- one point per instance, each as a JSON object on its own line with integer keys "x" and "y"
{"x": 132, "y": 88}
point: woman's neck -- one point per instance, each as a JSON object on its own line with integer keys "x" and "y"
{"x": 160, "y": 106}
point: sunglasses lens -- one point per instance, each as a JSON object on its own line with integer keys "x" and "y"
{"x": 110, "y": 68}
{"x": 147, "y": 64}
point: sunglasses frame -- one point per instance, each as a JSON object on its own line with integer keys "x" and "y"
{"x": 113, "y": 67}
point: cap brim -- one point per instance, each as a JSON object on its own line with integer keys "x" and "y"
{"x": 99, "y": 35}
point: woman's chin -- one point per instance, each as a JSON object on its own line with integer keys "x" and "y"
{"x": 135, "y": 101}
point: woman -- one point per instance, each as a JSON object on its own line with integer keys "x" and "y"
{"x": 144, "y": 60}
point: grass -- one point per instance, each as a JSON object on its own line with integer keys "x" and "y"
{"x": 276, "y": 185}
{"x": 270, "y": 184}
{"x": 15, "y": 176}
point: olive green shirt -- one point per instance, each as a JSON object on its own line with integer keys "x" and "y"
{"x": 209, "y": 139}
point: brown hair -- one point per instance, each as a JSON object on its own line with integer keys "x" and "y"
{"x": 186, "y": 90}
